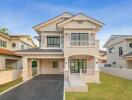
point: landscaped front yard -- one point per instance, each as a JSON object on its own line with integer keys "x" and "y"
{"x": 9, "y": 85}
{"x": 111, "y": 88}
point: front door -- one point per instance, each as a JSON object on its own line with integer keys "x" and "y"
{"x": 77, "y": 64}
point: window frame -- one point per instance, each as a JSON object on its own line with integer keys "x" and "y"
{"x": 55, "y": 64}
{"x": 130, "y": 45}
{"x": 14, "y": 45}
{"x": 3, "y": 43}
{"x": 111, "y": 50}
{"x": 120, "y": 51}
{"x": 55, "y": 41}
{"x": 80, "y": 39}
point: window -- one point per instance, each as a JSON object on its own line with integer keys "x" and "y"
{"x": 53, "y": 41}
{"x": 3, "y": 43}
{"x": 111, "y": 50}
{"x": 22, "y": 47}
{"x": 130, "y": 45}
{"x": 114, "y": 63}
{"x": 79, "y": 39}
{"x": 55, "y": 64}
{"x": 120, "y": 51}
{"x": 13, "y": 45}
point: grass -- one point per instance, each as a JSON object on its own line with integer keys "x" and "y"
{"x": 111, "y": 88}
{"x": 9, "y": 85}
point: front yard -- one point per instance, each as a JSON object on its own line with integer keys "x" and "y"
{"x": 111, "y": 88}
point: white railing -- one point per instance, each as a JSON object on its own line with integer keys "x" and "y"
{"x": 69, "y": 74}
{"x": 82, "y": 43}
{"x": 87, "y": 71}
{"x": 81, "y": 73}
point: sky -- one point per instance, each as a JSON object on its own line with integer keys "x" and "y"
{"x": 19, "y": 16}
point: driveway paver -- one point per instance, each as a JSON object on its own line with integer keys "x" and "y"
{"x": 41, "y": 87}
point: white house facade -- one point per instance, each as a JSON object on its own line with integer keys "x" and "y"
{"x": 68, "y": 46}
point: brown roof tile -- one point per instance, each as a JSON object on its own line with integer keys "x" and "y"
{"x": 8, "y": 52}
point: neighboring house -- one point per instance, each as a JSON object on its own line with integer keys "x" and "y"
{"x": 68, "y": 46}
{"x": 103, "y": 56}
{"x": 119, "y": 51}
{"x": 8, "y": 45}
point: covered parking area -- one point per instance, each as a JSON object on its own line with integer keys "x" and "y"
{"x": 49, "y": 61}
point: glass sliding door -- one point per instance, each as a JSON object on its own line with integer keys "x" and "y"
{"x": 77, "y": 64}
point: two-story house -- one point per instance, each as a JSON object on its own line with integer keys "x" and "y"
{"x": 119, "y": 51}
{"x": 8, "y": 45}
{"x": 68, "y": 46}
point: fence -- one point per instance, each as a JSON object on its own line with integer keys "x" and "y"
{"x": 120, "y": 72}
{"x": 9, "y": 75}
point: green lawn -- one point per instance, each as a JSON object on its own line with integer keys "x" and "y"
{"x": 111, "y": 88}
{"x": 9, "y": 85}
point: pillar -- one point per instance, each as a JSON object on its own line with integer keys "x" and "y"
{"x": 66, "y": 70}
{"x": 38, "y": 66}
{"x": 25, "y": 69}
{"x": 96, "y": 64}
{"x": 30, "y": 68}
{"x": 66, "y": 63}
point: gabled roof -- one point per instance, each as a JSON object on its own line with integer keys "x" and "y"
{"x": 88, "y": 18}
{"x": 21, "y": 36}
{"x": 127, "y": 55}
{"x": 53, "y": 19}
{"x": 8, "y": 52}
{"x": 123, "y": 37}
{"x": 103, "y": 51}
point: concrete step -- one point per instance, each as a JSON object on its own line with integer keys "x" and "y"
{"x": 76, "y": 84}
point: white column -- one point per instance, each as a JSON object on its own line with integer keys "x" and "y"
{"x": 30, "y": 68}
{"x": 38, "y": 66}
{"x": 96, "y": 63}
{"x": 25, "y": 69}
{"x": 66, "y": 63}
{"x": 2, "y": 63}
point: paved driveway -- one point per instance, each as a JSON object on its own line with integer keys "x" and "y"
{"x": 42, "y": 87}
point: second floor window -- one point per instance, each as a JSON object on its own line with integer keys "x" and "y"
{"x": 120, "y": 51}
{"x": 53, "y": 41}
{"x": 3, "y": 43}
{"x": 22, "y": 47}
{"x": 79, "y": 39}
{"x": 111, "y": 50}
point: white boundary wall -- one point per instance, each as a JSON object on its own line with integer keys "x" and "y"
{"x": 120, "y": 72}
{"x": 9, "y": 75}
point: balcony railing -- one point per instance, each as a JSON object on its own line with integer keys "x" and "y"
{"x": 82, "y": 43}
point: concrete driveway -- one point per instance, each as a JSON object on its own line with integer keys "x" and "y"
{"x": 42, "y": 87}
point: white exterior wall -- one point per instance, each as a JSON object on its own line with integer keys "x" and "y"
{"x": 124, "y": 73}
{"x": 43, "y": 43}
{"x": 114, "y": 57}
{"x": 7, "y": 40}
{"x": 3, "y": 59}
{"x": 10, "y": 75}
{"x": 46, "y": 66}
{"x": 19, "y": 45}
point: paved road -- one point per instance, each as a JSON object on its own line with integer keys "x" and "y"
{"x": 42, "y": 87}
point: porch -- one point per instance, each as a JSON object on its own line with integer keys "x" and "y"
{"x": 79, "y": 70}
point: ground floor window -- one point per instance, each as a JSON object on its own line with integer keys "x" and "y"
{"x": 55, "y": 64}
{"x": 77, "y": 64}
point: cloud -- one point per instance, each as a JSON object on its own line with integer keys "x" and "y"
{"x": 116, "y": 17}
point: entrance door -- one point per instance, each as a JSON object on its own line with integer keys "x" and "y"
{"x": 77, "y": 64}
